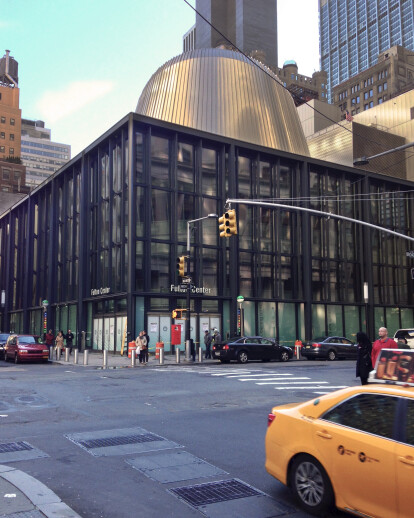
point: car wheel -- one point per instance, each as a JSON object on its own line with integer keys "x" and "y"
{"x": 242, "y": 357}
{"x": 311, "y": 485}
{"x": 16, "y": 358}
{"x": 331, "y": 355}
{"x": 284, "y": 356}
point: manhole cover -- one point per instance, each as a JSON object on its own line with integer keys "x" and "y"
{"x": 118, "y": 441}
{"x": 14, "y": 446}
{"x": 214, "y": 492}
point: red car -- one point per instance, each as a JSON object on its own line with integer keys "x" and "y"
{"x": 22, "y": 348}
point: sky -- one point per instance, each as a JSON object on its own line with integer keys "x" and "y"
{"x": 84, "y": 63}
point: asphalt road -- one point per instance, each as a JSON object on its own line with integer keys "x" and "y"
{"x": 192, "y": 425}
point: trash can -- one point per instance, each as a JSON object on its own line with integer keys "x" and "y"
{"x": 158, "y": 346}
{"x": 132, "y": 346}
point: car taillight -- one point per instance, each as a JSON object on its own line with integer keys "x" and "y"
{"x": 270, "y": 418}
{"x": 316, "y": 345}
{"x": 226, "y": 347}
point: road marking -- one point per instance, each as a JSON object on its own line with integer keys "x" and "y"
{"x": 309, "y": 388}
{"x": 293, "y": 382}
{"x": 273, "y": 379}
{"x": 258, "y": 375}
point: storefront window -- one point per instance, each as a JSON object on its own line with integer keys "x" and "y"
{"x": 287, "y": 323}
{"x": 379, "y": 318}
{"x": 318, "y": 321}
{"x": 352, "y": 321}
{"x": 335, "y": 321}
{"x": 266, "y": 316}
{"x": 393, "y": 320}
{"x": 407, "y": 318}
{"x": 249, "y": 318}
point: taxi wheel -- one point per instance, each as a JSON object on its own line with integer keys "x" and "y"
{"x": 311, "y": 485}
{"x": 242, "y": 357}
{"x": 331, "y": 355}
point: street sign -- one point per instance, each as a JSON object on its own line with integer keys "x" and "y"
{"x": 410, "y": 253}
{"x": 240, "y": 299}
{"x": 184, "y": 286}
{"x": 186, "y": 280}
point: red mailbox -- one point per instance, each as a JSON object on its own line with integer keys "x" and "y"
{"x": 176, "y": 334}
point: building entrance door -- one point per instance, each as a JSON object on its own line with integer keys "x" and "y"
{"x": 107, "y": 333}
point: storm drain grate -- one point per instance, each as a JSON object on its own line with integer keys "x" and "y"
{"x": 119, "y": 441}
{"x": 9, "y": 447}
{"x": 214, "y": 492}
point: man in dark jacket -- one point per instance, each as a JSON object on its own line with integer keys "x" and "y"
{"x": 207, "y": 342}
{"x": 69, "y": 341}
{"x": 49, "y": 339}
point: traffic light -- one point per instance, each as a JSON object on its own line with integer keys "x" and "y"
{"x": 174, "y": 314}
{"x": 228, "y": 223}
{"x": 181, "y": 266}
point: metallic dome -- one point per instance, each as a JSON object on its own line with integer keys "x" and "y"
{"x": 221, "y": 92}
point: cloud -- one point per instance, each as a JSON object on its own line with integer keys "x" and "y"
{"x": 58, "y": 104}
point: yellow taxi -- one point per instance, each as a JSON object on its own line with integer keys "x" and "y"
{"x": 352, "y": 449}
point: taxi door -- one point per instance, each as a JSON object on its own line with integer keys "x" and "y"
{"x": 361, "y": 465}
{"x": 404, "y": 457}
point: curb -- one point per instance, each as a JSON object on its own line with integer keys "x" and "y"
{"x": 42, "y": 498}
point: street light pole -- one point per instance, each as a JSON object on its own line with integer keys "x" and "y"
{"x": 188, "y": 311}
{"x": 364, "y": 160}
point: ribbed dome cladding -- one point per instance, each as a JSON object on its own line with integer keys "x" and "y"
{"x": 221, "y": 92}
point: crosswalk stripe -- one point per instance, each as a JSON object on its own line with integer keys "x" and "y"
{"x": 258, "y": 375}
{"x": 272, "y": 379}
{"x": 292, "y": 382}
{"x": 304, "y": 388}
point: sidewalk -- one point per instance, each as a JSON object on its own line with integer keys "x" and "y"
{"x": 96, "y": 359}
{"x": 23, "y": 496}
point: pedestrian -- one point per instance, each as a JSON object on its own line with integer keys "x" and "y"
{"x": 207, "y": 342}
{"x": 383, "y": 342}
{"x": 138, "y": 342}
{"x": 49, "y": 339}
{"x": 364, "y": 364}
{"x": 147, "y": 338}
{"x": 59, "y": 344}
{"x": 217, "y": 336}
{"x": 69, "y": 341}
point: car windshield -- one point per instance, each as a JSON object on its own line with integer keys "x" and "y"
{"x": 3, "y": 337}
{"x": 27, "y": 340}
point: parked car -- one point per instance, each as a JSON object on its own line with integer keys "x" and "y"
{"x": 408, "y": 334}
{"x": 246, "y": 348}
{"x": 20, "y": 348}
{"x": 330, "y": 348}
{"x": 352, "y": 448}
{"x": 3, "y": 340}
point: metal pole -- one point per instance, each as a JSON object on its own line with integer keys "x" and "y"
{"x": 66, "y": 354}
{"x": 200, "y": 354}
{"x": 188, "y": 315}
{"x": 177, "y": 355}
{"x": 51, "y": 353}
{"x": 105, "y": 358}
{"x": 85, "y": 357}
{"x": 75, "y": 359}
{"x": 83, "y": 340}
{"x": 133, "y": 358}
{"x": 161, "y": 356}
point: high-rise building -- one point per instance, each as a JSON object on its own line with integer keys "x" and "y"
{"x": 354, "y": 32}
{"x": 249, "y": 24}
{"x": 41, "y": 156}
{"x": 10, "y": 113}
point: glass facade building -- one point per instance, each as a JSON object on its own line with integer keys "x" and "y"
{"x": 354, "y": 32}
{"x": 99, "y": 241}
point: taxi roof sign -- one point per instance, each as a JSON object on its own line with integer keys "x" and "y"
{"x": 394, "y": 366}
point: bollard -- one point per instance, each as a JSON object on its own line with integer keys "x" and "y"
{"x": 161, "y": 356}
{"x": 177, "y": 355}
{"x": 105, "y": 358}
{"x": 51, "y": 353}
{"x": 66, "y": 354}
{"x": 133, "y": 358}
{"x": 200, "y": 355}
{"x": 297, "y": 351}
{"x": 85, "y": 357}
{"x": 75, "y": 359}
